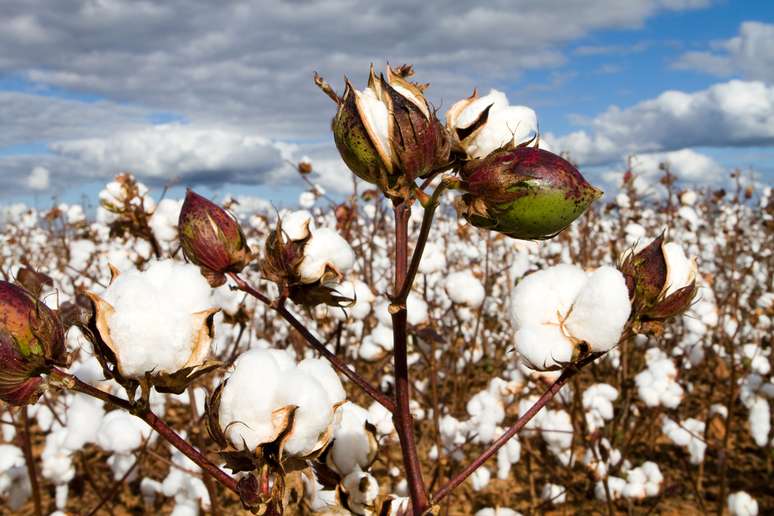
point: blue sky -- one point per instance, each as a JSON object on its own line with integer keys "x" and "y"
{"x": 221, "y": 98}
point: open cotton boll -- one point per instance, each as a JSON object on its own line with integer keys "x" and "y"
{"x": 657, "y": 384}
{"x": 153, "y": 325}
{"x": 480, "y": 478}
{"x": 325, "y": 248}
{"x": 307, "y": 199}
{"x": 265, "y": 381}
{"x": 497, "y": 511}
{"x": 56, "y": 458}
{"x": 433, "y": 259}
{"x": 688, "y": 434}
{"x": 465, "y": 289}
{"x": 543, "y": 346}
{"x": 742, "y": 504}
{"x": 538, "y": 297}
{"x": 14, "y": 480}
{"x": 121, "y": 432}
{"x": 164, "y": 220}
{"x": 353, "y": 445}
{"x": 554, "y": 493}
{"x": 84, "y": 417}
{"x": 598, "y": 403}
{"x": 297, "y": 225}
{"x": 601, "y": 309}
{"x": 760, "y": 420}
{"x": 517, "y": 124}
{"x": 363, "y": 297}
{"x": 362, "y": 489}
{"x": 416, "y": 310}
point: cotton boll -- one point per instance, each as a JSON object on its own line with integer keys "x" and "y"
{"x": 362, "y": 489}
{"x": 265, "y": 381}
{"x": 121, "y": 432}
{"x": 56, "y": 458}
{"x": 760, "y": 420}
{"x": 164, "y": 220}
{"x": 14, "y": 481}
{"x": 307, "y": 199}
{"x": 539, "y": 296}
{"x": 601, "y": 309}
{"x": 465, "y": 289}
{"x": 325, "y": 248}
{"x": 742, "y": 504}
{"x": 381, "y": 418}
{"x": 433, "y": 259}
{"x": 507, "y": 456}
{"x": 297, "y": 225}
{"x": 353, "y": 445}
{"x": 480, "y": 478}
{"x": 153, "y": 326}
{"x": 543, "y": 347}
{"x": 597, "y": 400}
{"x": 416, "y": 309}
{"x": 497, "y": 511}
{"x": 362, "y": 296}
{"x": 554, "y": 493}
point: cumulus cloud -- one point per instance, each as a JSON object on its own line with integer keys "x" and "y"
{"x": 193, "y": 154}
{"x": 38, "y": 178}
{"x": 734, "y": 113}
{"x": 750, "y": 54}
{"x": 688, "y": 165}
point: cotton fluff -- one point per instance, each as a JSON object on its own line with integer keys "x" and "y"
{"x": 598, "y": 402}
{"x": 600, "y": 311}
{"x": 164, "y": 220}
{"x": 153, "y": 326}
{"x": 497, "y": 511}
{"x": 643, "y": 481}
{"x": 376, "y": 344}
{"x": 188, "y": 490}
{"x": 759, "y": 419}
{"x": 465, "y": 289}
{"x": 122, "y": 433}
{"x": 657, "y": 384}
{"x": 264, "y": 381}
{"x": 554, "y": 493}
{"x": 480, "y": 478}
{"x": 353, "y": 445}
{"x": 688, "y": 434}
{"x": 433, "y": 259}
{"x": 362, "y": 296}
{"x": 325, "y": 248}
{"x": 681, "y": 271}
{"x": 554, "y": 308}
{"x": 362, "y": 489}
{"x": 14, "y": 481}
{"x": 742, "y": 504}
{"x": 504, "y": 124}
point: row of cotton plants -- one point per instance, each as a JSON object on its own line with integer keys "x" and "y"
{"x": 185, "y": 355}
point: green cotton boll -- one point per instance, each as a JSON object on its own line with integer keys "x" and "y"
{"x": 524, "y": 193}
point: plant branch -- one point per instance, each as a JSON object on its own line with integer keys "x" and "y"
{"x": 72, "y": 382}
{"x": 335, "y": 361}
{"x": 30, "y": 459}
{"x": 547, "y": 396}
{"x": 404, "y": 423}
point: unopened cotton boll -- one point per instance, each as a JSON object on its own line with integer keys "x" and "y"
{"x": 601, "y": 310}
{"x": 264, "y": 383}
{"x": 465, "y": 289}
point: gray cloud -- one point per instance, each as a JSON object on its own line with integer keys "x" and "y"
{"x": 244, "y": 68}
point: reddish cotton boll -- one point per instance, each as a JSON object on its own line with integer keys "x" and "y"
{"x": 31, "y": 343}
{"x": 212, "y": 239}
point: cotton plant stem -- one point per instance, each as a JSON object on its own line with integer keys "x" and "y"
{"x": 404, "y": 423}
{"x": 315, "y": 343}
{"x": 72, "y": 382}
{"x": 30, "y": 459}
{"x": 547, "y": 396}
{"x": 424, "y": 232}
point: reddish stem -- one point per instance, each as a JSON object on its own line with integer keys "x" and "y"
{"x": 404, "y": 423}
{"x": 72, "y": 382}
{"x": 547, "y": 396}
{"x": 335, "y": 361}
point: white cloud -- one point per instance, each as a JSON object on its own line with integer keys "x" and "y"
{"x": 735, "y": 113}
{"x": 167, "y": 151}
{"x": 38, "y": 178}
{"x": 750, "y": 54}
{"x": 687, "y": 165}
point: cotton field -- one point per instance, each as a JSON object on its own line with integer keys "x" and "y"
{"x": 673, "y": 418}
